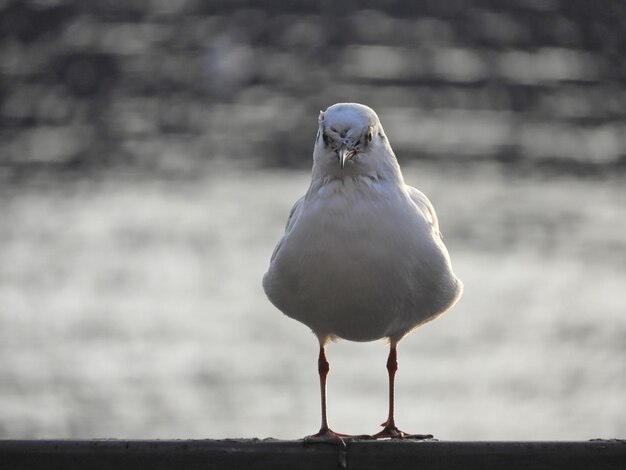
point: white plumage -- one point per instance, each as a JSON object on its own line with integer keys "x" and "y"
{"x": 362, "y": 257}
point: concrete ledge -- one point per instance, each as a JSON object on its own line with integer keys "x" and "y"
{"x": 236, "y": 454}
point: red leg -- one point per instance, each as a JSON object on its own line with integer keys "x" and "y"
{"x": 389, "y": 427}
{"x": 323, "y": 367}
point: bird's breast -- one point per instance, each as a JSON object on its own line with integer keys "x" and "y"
{"x": 357, "y": 263}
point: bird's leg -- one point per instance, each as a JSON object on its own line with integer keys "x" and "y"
{"x": 323, "y": 367}
{"x": 389, "y": 427}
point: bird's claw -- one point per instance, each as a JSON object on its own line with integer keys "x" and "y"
{"x": 326, "y": 436}
{"x": 331, "y": 437}
{"x": 390, "y": 431}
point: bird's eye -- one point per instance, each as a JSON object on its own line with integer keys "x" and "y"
{"x": 368, "y": 137}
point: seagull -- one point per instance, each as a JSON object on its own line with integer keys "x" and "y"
{"x": 362, "y": 257}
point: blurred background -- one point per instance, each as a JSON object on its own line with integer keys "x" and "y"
{"x": 150, "y": 152}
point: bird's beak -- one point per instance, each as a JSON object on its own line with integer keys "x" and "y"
{"x": 345, "y": 154}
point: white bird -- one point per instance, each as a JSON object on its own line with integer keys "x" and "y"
{"x": 362, "y": 257}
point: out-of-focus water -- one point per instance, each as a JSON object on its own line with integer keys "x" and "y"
{"x": 133, "y": 308}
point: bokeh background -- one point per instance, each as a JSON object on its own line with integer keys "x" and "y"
{"x": 150, "y": 151}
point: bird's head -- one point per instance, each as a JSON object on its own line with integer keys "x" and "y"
{"x": 351, "y": 141}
